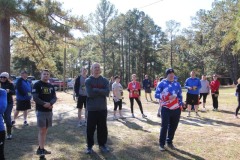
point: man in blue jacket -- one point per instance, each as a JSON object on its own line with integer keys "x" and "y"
{"x": 147, "y": 87}
{"x": 193, "y": 85}
{"x": 97, "y": 88}
{"x": 23, "y": 96}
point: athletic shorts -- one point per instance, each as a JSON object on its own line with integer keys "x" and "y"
{"x": 81, "y": 101}
{"x": 44, "y": 119}
{"x": 192, "y": 99}
{"x": 23, "y": 105}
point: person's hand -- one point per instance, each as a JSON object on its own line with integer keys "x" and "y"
{"x": 50, "y": 107}
{"x": 190, "y": 88}
{"x": 47, "y": 105}
{"x": 115, "y": 99}
{"x": 7, "y": 90}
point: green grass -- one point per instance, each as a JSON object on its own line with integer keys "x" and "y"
{"x": 213, "y": 136}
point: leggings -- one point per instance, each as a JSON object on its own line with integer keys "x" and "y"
{"x": 215, "y": 101}
{"x": 138, "y": 102}
{"x": 204, "y": 95}
{"x": 118, "y": 103}
{"x": 7, "y": 117}
{"x": 2, "y": 140}
{"x": 238, "y": 107}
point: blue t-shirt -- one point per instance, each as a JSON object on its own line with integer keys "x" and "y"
{"x": 193, "y": 83}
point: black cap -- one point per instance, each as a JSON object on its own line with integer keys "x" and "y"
{"x": 169, "y": 70}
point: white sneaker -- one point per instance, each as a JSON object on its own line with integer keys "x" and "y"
{"x": 161, "y": 148}
{"x": 9, "y": 137}
{"x": 133, "y": 115}
{"x": 197, "y": 115}
{"x": 188, "y": 115}
{"x": 144, "y": 116}
{"x": 204, "y": 110}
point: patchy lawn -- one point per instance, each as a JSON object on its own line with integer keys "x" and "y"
{"x": 215, "y": 135}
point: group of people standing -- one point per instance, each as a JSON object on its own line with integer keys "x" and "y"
{"x": 44, "y": 96}
{"x": 23, "y": 97}
{"x": 91, "y": 92}
{"x": 197, "y": 89}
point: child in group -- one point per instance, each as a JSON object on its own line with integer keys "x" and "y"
{"x": 117, "y": 90}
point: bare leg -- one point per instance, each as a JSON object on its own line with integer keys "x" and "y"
{"x": 25, "y": 115}
{"x": 15, "y": 115}
{"x": 79, "y": 114}
{"x": 189, "y": 110}
{"x": 42, "y": 137}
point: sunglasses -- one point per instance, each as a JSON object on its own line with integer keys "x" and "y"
{"x": 3, "y": 77}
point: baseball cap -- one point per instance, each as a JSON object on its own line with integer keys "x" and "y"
{"x": 24, "y": 71}
{"x": 169, "y": 70}
{"x": 4, "y": 74}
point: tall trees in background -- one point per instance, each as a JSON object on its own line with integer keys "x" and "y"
{"x": 126, "y": 43}
{"x": 48, "y": 14}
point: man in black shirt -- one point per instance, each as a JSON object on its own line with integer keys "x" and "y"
{"x": 45, "y": 96}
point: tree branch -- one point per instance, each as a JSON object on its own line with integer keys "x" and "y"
{"x": 34, "y": 42}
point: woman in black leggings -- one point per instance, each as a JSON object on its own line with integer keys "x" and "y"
{"x": 134, "y": 89}
{"x": 238, "y": 97}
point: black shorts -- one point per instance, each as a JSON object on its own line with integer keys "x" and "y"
{"x": 192, "y": 99}
{"x": 81, "y": 101}
{"x": 148, "y": 90}
{"x": 23, "y": 105}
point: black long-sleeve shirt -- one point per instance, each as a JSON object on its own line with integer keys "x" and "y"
{"x": 10, "y": 86}
{"x": 43, "y": 92}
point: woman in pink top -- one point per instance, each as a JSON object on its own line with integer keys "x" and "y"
{"x": 214, "y": 85}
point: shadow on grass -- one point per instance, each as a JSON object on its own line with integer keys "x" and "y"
{"x": 132, "y": 125}
{"x": 227, "y": 112}
{"x": 175, "y": 154}
{"x": 205, "y": 121}
{"x": 149, "y": 121}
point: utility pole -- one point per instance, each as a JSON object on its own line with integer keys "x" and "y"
{"x": 64, "y": 64}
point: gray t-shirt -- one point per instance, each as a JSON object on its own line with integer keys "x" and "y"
{"x": 205, "y": 86}
{"x": 82, "y": 88}
{"x": 118, "y": 89}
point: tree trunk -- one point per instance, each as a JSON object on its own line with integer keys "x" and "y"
{"x": 5, "y": 45}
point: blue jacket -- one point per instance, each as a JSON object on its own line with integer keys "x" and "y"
{"x": 23, "y": 90}
{"x": 191, "y": 83}
{"x": 97, "y": 91}
{"x": 3, "y": 106}
{"x": 146, "y": 83}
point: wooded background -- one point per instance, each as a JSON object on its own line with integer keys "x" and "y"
{"x": 36, "y": 34}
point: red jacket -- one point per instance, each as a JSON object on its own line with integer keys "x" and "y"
{"x": 155, "y": 83}
{"x": 214, "y": 85}
{"x": 134, "y": 89}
